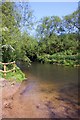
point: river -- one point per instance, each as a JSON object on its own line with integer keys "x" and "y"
{"x": 51, "y": 74}
{"x": 50, "y": 91}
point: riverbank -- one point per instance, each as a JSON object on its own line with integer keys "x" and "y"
{"x": 61, "y": 58}
{"x": 32, "y": 100}
{"x": 8, "y": 88}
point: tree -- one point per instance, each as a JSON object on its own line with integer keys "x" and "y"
{"x": 9, "y": 30}
{"x": 13, "y": 20}
{"x": 27, "y": 18}
{"x": 48, "y": 26}
{"x": 29, "y": 46}
{"x": 70, "y": 22}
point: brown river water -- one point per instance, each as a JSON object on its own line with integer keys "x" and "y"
{"x": 50, "y": 91}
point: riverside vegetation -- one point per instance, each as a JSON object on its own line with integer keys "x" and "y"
{"x": 56, "y": 39}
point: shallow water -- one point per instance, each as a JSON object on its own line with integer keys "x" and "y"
{"x": 51, "y": 74}
{"x": 50, "y": 91}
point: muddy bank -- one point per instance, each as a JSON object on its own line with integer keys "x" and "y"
{"x": 31, "y": 99}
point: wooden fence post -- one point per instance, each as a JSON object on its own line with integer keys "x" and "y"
{"x": 14, "y": 66}
{"x": 4, "y": 70}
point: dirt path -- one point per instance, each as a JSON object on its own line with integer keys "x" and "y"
{"x": 23, "y": 102}
{"x": 33, "y": 100}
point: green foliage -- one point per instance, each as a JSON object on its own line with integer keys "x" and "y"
{"x": 60, "y": 58}
{"x": 8, "y": 53}
{"x": 48, "y": 26}
{"x": 18, "y": 75}
{"x": 9, "y": 31}
{"x": 57, "y": 39}
{"x": 12, "y": 39}
{"x": 1, "y": 75}
{"x": 29, "y": 46}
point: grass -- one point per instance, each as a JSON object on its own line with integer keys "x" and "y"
{"x": 18, "y": 75}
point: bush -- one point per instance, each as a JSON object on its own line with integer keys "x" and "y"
{"x": 65, "y": 58}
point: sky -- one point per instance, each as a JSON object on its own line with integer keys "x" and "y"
{"x": 41, "y": 9}
{"x": 60, "y": 9}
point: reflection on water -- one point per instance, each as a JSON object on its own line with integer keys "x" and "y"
{"x": 51, "y": 73}
{"x": 55, "y": 87}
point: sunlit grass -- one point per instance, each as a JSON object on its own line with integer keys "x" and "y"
{"x": 18, "y": 75}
